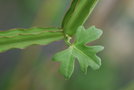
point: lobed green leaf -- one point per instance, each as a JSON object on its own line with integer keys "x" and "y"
{"x": 86, "y": 55}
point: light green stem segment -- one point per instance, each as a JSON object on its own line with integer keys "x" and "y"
{"x": 21, "y": 38}
{"x": 77, "y": 15}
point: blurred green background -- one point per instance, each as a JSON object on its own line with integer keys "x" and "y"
{"x": 32, "y": 68}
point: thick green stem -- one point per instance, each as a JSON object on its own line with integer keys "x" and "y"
{"x": 77, "y": 15}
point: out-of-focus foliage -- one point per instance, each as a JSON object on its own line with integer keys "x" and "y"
{"x": 103, "y": 79}
{"x": 130, "y": 86}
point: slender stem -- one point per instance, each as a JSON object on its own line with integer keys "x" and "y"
{"x": 67, "y": 40}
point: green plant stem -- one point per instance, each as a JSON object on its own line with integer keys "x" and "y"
{"x": 77, "y": 15}
{"x": 67, "y": 40}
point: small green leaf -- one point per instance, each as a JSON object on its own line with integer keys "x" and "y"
{"x": 77, "y": 15}
{"x": 21, "y": 38}
{"x": 67, "y": 62}
{"x": 85, "y": 36}
{"x": 86, "y": 55}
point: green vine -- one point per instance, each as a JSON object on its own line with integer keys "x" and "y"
{"x": 72, "y": 26}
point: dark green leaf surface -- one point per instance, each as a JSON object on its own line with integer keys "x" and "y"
{"x": 77, "y": 15}
{"x": 86, "y": 55}
{"x": 21, "y": 38}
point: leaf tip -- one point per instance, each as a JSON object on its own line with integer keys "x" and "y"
{"x": 66, "y": 76}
